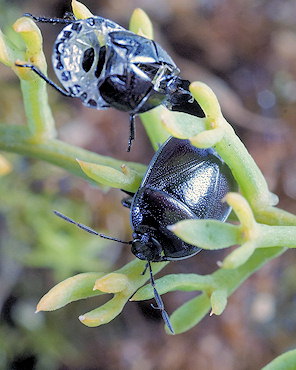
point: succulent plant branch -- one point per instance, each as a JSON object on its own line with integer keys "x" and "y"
{"x": 215, "y": 289}
{"x": 258, "y": 242}
{"x": 212, "y": 234}
{"x": 18, "y": 139}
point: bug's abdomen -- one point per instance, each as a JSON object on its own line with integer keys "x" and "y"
{"x": 79, "y": 58}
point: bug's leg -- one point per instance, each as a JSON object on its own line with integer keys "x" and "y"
{"x": 132, "y": 132}
{"x": 88, "y": 229}
{"x": 128, "y": 193}
{"x": 127, "y": 202}
{"x": 69, "y": 16}
{"x": 145, "y": 269}
{"x": 46, "y": 79}
{"x": 159, "y": 302}
{"x": 49, "y": 20}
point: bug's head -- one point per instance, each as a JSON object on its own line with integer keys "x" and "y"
{"x": 179, "y": 97}
{"x": 144, "y": 244}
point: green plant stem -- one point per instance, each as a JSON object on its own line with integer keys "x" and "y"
{"x": 252, "y": 183}
{"x": 39, "y": 117}
{"x": 153, "y": 127}
{"x": 222, "y": 279}
{"x": 275, "y": 216}
{"x": 111, "y": 309}
{"x": 17, "y": 139}
{"x": 191, "y": 312}
{"x": 271, "y": 236}
{"x": 182, "y": 320}
{"x": 230, "y": 280}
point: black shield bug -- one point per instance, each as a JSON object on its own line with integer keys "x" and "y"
{"x": 182, "y": 182}
{"x": 105, "y": 66}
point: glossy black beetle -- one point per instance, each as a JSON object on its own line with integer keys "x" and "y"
{"x": 105, "y": 66}
{"x": 182, "y": 182}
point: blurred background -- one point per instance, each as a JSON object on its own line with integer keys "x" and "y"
{"x": 246, "y": 52}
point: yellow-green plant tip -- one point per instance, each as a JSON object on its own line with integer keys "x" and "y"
{"x": 190, "y": 313}
{"x": 91, "y": 322}
{"x": 239, "y": 256}
{"x": 5, "y": 166}
{"x": 106, "y": 313}
{"x": 218, "y": 301}
{"x": 207, "y": 139}
{"x": 182, "y": 125}
{"x": 6, "y": 53}
{"x": 31, "y": 35}
{"x": 242, "y": 209}
{"x": 141, "y": 24}
{"x": 206, "y": 98}
{"x": 80, "y": 10}
{"x": 105, "y": 175}
{"x": 112, "y": 283}
{"x": 72, "y": 289}
{"x": 207, "y": 234}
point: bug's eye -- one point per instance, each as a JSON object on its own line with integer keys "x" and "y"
{"x": 88, "y": 59}
{"x": 139, "y": 249}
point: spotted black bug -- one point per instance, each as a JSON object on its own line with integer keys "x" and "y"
{"x": 182, "y": 182}
{"x": 104, "y": 65}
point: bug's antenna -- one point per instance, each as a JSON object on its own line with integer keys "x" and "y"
{"x": 159, "y": 302}
{"x": 87, "y": 228}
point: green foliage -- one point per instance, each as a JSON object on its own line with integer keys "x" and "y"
{"x": 211, "y": 234}
{"x": 215, "y": 289}
{"x": 70, "y": 290}
{"x": 33, "y": 240}
{"x": 286, "y": 361}
{"x": 264, "y": 230}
